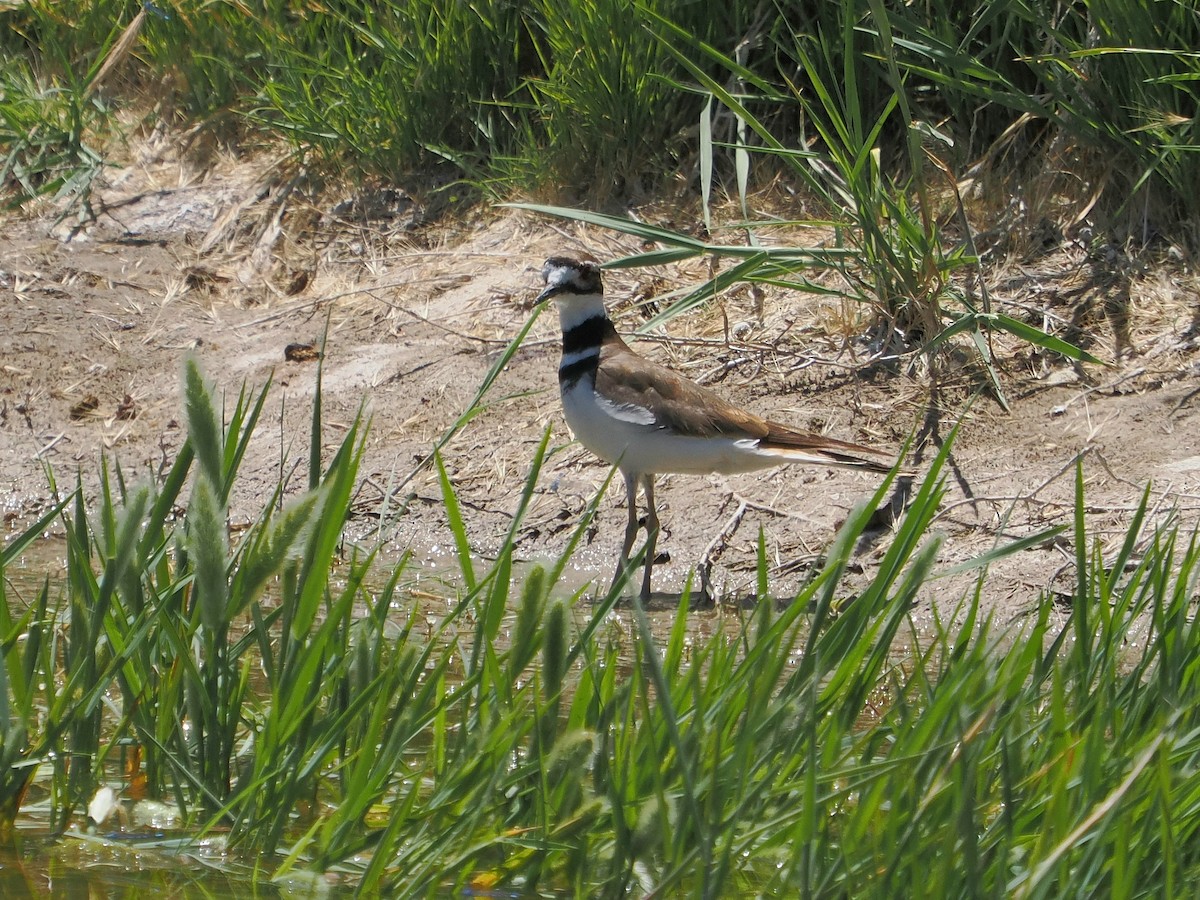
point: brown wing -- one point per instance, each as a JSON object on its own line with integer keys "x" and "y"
{"x": 687, "y": 408}
{"x": 676, "y": 403}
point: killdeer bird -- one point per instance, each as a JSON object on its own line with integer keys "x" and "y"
{"x": 647, "y": 420}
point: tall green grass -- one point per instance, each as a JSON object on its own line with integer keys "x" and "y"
{"x": 597, "y": 98}
{"x": 527, "y": 740}
{"x": 53, "y": 128}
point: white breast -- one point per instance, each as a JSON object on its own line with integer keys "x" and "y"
{"x": 629, "y": 434}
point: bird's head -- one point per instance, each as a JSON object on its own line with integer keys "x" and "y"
{"x": 566, "y": 276}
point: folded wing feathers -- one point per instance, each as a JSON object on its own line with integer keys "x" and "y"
{"x": 673, "y": 401}
{"x": 823, "y": 449}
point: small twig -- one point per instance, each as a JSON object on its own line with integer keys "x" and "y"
{"x": 286, "y": 311}
{"x": 1065, "y": 505}
{"x": 718, "y": 544}
{"x": 1027, "y": 497}
{"x": 1186, "y": 397}
{"x": 1065, "y": 467}
{"x": 760, "y": 347}
{"x": 719, "y": 373}
{"x": 1137, "y": 486}
{"x": 438, "y": 325}
{"x": 50, "y": 446}
{"x": 1136, "y": 373}
{"x": 775, "y": 511}
{"x": 423, "y": 255}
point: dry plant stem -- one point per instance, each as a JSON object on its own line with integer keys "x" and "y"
{"x": 39, "y": 454}
{"x": 333, "y": 298}
{"x": 455, "y": 255}
{"x": 718, "y": 544}
{"x": 761, "y": 347}
{"x": 720, "y": 372}
{"x": 259, "y": 258}
{"x": 1100, "y": 457}
{"x": 1135, "y": 373}
{"x": 1055, "y": 504}
{"x": 1027, "y": 497}
{"x": 1188, "y": 397}
{"x": 716, "y": 547}
{"x": 440, "y": 327}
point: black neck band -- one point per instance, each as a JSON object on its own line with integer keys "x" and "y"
{"x": 587, "y": 334}
{"x": 572, "y": 372}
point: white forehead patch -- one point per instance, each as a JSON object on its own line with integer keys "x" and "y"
{"x": 555, "y": 275}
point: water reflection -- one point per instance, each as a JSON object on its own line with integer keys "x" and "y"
{"x": 89, "y": 867}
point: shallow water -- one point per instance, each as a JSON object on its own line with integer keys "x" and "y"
{"x": 117, "y": 864}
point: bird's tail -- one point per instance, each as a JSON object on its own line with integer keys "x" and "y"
{"x": 815, "y": 449}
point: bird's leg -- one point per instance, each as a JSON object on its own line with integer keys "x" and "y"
{"x": 631, "y": 527}
{"x": 651, "y": 534}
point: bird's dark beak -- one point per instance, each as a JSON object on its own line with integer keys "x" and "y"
{"x": 551, "y": 291}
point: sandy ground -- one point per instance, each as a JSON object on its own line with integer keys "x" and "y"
{"x": 96, "y": 322}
